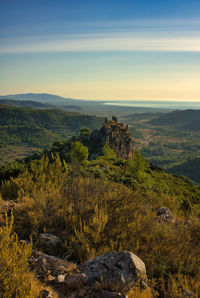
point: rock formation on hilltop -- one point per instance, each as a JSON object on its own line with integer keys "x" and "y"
{"x": 116, "y": 135}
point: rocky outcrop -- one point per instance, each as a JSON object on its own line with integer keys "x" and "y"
{"x": 164, "y": 215}
{"x": 116, "y": 135}
{"x": 47, "y": 267}
{"x": 110, "y": 275}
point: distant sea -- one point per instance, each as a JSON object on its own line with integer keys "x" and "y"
{"x": 174, "y": 105}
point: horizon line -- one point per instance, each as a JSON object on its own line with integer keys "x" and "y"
{"x": 103, "y": 100}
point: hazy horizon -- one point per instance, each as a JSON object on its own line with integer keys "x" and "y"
{"x": 108, "y": 50}
{"x": 124, "y": 102}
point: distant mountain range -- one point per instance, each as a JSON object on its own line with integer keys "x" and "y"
{"x": 26, "y": 104}
{"x": 92, "y": 107}
{"x": 187, "y": 119}
{"x": 41, "y": 101}
{"x": 40, "y": 97}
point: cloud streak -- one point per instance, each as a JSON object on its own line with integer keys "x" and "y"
{"x": 150, "y": 35}
{"x": 104, "y": 43}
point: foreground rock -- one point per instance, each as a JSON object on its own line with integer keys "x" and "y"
{"x": 110, "y": 275}
{"x": 50, "y": 243}
{"x": 48, "y": 268}
{"x": 118, "y": 271}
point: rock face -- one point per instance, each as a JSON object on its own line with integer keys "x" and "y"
{"x": 110, "y": 275}
{"x": 116, "y": 135}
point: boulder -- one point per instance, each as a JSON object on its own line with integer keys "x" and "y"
{"x": 49, "y": 243}
{"x": 118, "y": 271}
{"x": 110, "y": 275}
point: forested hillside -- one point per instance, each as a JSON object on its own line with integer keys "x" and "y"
{"x": 38, "y": 127}
{"x": 187, "y": 119}
{"x": 26, "y": 104}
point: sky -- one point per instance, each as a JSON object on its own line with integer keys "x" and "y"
{"x": 120, "y": 50}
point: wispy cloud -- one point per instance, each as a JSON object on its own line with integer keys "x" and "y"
{"x": 121, "y": 43}
{"x": 150, "y": 35}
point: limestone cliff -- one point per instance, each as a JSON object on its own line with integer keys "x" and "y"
{"x": 116, "y": 135}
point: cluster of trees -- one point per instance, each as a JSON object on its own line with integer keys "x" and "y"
{"x": 37, "y": 127}
{"x": 110, "y": 204}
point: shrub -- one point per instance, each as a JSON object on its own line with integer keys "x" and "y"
{"x": 14, "y": 271}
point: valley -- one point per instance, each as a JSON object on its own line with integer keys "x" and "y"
{"x": 168, "y": 139}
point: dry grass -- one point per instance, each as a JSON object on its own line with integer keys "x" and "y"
{"x": 37, "y": 286}
{"x": 138, "y": 294}
{"x": 10, "y": 153}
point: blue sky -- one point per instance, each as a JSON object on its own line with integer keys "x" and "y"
{"x": 101, "y": 49}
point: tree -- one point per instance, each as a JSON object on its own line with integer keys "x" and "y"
{"x": 137, "y": 166}
{"x": 85, "y": 132}
{"x": 108, "y": 153}
{"x": 79, "y": 153}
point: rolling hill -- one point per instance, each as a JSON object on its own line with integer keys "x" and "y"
{"x": 187, "y": 119}
{"x": 189, "y": 168}
{"x": 41, "y": 127}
